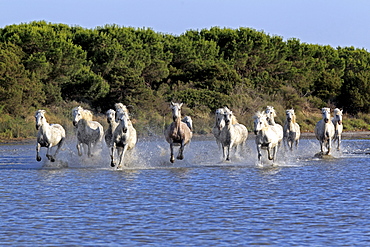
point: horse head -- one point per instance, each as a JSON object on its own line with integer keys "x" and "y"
{"x": 111, "y": 115}
{"x": 270, "y": 113}
{"x": 290, "y": 115}
{"x": 338, "y": 115}
{"x": 121, "y": 106}
{"x": 219, "y": 115}
{"x": 76, "y": 115}
{"x": 260, "y": 121}
{"x": 176, "y": 110}
{"x": 40, "y": 118}
{"x": 123, "y": 119}
{"x": 228, "y": 115}
{"x": 325, "y": 114}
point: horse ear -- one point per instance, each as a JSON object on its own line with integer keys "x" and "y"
{"x": 172, "y": 103}
{"x": 181, "y": 105}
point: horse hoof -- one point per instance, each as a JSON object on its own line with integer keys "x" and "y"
{"x": 52, "y": 159}
{"x": 38, "y": 158}
{"x": 180, "y": 157}
{"x": 112, "y": 164}
{"x": 172, "y": 160}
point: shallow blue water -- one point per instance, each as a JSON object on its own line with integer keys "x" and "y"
{"x": 200, "y": 201}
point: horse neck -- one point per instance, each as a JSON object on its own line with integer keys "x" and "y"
{"x": 290, "y": 124}
{"x": 112, "y": 125}
{"x": 271, "y": 121}
{"x": 177, "y": 127}
{"x": 44, "y": 127}
{"x": 335, "y": 121}
{"x": 82, "y": 125}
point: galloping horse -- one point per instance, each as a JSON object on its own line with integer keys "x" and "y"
{"x": 124, "y": 137}
{"x": 111, "y": 119}
{"x": 232, "y": 135}
{"x": 88, "y": 132}
{"x": 266, "y": 137}
{"x": 324, "y": 131}
{"x": 49, "y": 135}
{"x": 270, "y": 116}
{"x": 178, "y": 132}
{"x": 338, "y": 126}
{"x": 220, "y": 123}
{"x": 292, "y": 131}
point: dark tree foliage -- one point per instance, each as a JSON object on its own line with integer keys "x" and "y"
{"x": 45, "y": 64}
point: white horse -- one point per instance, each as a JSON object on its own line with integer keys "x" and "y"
{"x": 122, "y": 107}
{"x": 232, "y": 135}
{"x": 220, "y": 123}
{"x": 88, "y": 132}
{"x": 324, "y": 131}
{"x": 111, "y": 119}
{"x": 49, "y": 135}
{"x": 189, "y": 122}
{"x": 124, "y": 137}
{"x": 178, "y": 132}
{"x": 338, "y": 126}
{"x": 292, "y": 131}
{"x": 266, "y": 136}
{"x": 270, "y": 116}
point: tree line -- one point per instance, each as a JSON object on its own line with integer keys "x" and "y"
{"x": 48, "y": 65}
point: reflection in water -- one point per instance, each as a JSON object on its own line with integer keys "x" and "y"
{"x": 200, "y": 201}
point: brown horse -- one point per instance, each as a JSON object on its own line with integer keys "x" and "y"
{"x": 178, "y": 132}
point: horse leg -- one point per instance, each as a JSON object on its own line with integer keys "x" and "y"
{"x": 291, "y": 143}
{"x": 223, "y": 152}
{"x": 287, "y": 144}
{"x": 58, "y": 148}
{"x": 228, "y": 152}
{"x": 112, "y": 155}
{"x": 274, "y": 153}
{"x": 172, "y": 158}
{"x": 269, "y": 153}
{"x": 180, "y": 156}
{"x": 322, "y": 146}
{"x": 339, "y": 141}
{"x": 79, "y": 147}
{"x": 38, "y": 146}
{"x": 89, "y": 150}
{"x": 296, "y": 144}
{"x": 48, "y": 155}
{"x": 329, "y": 146}
{"x": 122, "y": 155}
{"x": 259, "y": 152}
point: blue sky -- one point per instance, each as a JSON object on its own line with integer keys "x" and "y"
{"x": 326, "y": 22}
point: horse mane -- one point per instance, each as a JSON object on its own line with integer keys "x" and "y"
{"x": 122, "y": 107}
{"x": 337, "y": 111}
{"x": 271, "y": 108}
{"x": 233, "y": 118}
{"x": 40, "y": 112}
{"x": 259, "y": 114}
{"x": 293, "y": 115}
{"x": 85, "y": 114}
